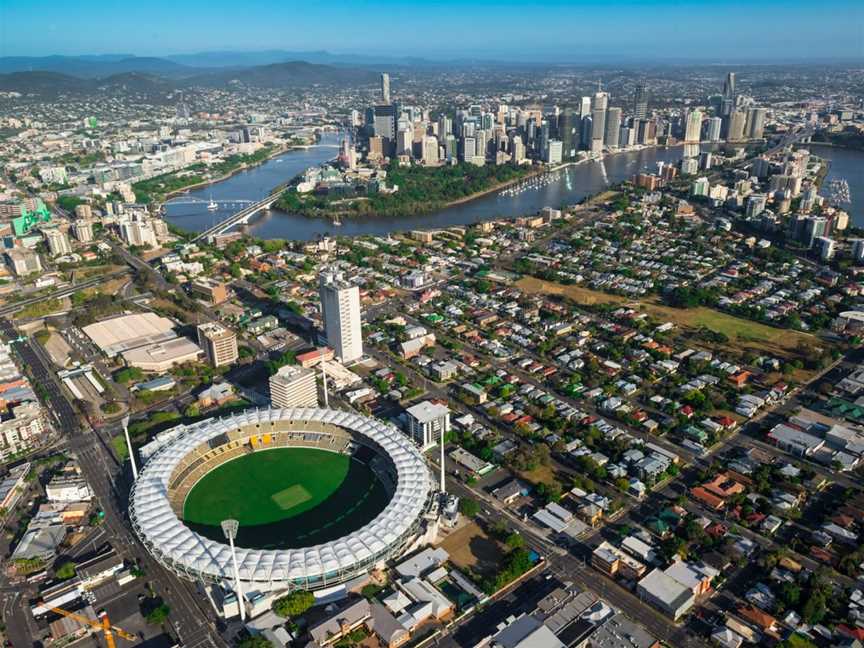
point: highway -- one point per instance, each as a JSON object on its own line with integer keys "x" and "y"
{"x": 13, "y": 307}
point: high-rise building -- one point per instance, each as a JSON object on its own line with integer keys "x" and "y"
{"x": 293, "y": 386}
{"x": 601, "y": 100}
{"x": 613, "y": 127}
{"x": 385, "y": 88}
{"x": 138, "y": 233}
{"x": 58, "y": 241}
{"x": 404, "y": 141}
{"x": 858, "y": 251}
{"x": 826, "y": 247}
{"x": 430, "y": 149}
{"x": 737, "y": 122}
{"x": 450, "y": 147}
{"x": 700, "y": 187}
{"x": 517, "y": 148}
{"x": 376, "y": 148}
{"x": 693, "y": 127}
{"x": 384, "y": 125}
{"x": 568, "y": 131}
{"x": 755, "y": 205}
{"x": 554, "y": 152}
{"x": 340, "y": 313}
{"x": 445, "y": 126}
{"x": 598, "y": 129}
{"x": 814, "y": 227}
{"x": 755, "y": 127}
{"x": 640, "y": 102}
{"x": 427, "y": 421}
{"x": 219, "y": 343}
{"x": 587, "y": 127}
{"x": 729, "y": 87}
{"x": 715, "y": 125}
{"x": 83, "y": 230}
{"x": 585, "y": 107}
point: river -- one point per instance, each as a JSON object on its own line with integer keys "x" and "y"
{"x": 567, "y": 186}
{"x": 848, "y": 164}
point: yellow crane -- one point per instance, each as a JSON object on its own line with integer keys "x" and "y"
{"x": 103, "y": 624}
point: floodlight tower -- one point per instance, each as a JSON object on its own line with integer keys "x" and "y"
{"x": 443, "y": 490}
{"x": 129, "y": 448}
{"x": 324, "y": 379}
{"x": 229, "y": 528}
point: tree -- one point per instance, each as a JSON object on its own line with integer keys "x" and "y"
{"x": 814, "y": 609}
{"x": 158, "y": 615}
{"x": 294, "y": 604}
{"x": 469, "y": 507}
{"x": 515, "y": 541}
{"x": 65, "y": 571}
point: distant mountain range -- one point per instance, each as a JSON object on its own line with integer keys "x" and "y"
{"x": 54, "y": 75}
{"x": 188, "y": 65}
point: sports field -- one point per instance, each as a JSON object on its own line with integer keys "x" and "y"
{"x": 285, "y": 498}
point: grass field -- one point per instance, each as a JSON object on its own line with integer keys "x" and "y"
{"x": 292, "y": 496}
{"x": 285, "y": 497}
{"x": 741, "y": 332}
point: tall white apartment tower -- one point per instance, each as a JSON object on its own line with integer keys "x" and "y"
{"x": 340, "y": 312}
{"x": 385, "y": 88}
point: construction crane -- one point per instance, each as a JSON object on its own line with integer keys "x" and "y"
{"x": 103, "y": 624}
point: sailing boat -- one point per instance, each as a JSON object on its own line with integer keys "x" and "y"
{"x": 212, "y": 205}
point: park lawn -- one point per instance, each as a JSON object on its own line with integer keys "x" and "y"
{"x": 736, "y": 329}
{"x": 266, "y": 486}
{"x": 741, "y": 332}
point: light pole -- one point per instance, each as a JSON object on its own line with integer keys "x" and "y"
{"x": 229, "y": 528}
{"x": 129, "y": 448}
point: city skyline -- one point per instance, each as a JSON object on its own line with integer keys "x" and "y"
{"x": 635, "y": 30}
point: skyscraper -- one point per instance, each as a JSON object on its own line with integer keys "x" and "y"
{"x": 587, "y": 127}
{"x": 430, "y": 149}
{"x": 340, "y": 313}
{"x": 714, "y": 125}
{"x": 613, "y": 127}
{"x": 385, "y": 88}
{"x": 640, "y": 102}
{"x": 693, "y": 127}
{"x": 585, "y": 107}
{"x": 755, "y": 128}
{"x": 737, "y": 122}
{"x": 601, "y": 100}
{"x": 568, "y": 131}
{"x": 729, "y": 87}
{"x": 598, "y": 129}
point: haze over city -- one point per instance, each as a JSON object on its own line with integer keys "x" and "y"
{"x": 552, "y": 32}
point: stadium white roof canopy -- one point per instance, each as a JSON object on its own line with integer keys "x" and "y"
{"x": 183, "y": 550}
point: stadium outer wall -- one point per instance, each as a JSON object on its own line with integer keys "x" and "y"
{"x": 179, "y": 457}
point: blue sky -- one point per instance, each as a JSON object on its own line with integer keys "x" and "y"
{"x": 504, "y": 29}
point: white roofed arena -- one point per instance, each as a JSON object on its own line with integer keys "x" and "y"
{"x": 180, "y": 457}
